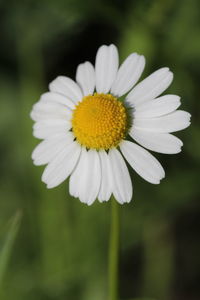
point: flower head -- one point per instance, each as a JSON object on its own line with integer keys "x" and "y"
{"x": 86, "y": 127}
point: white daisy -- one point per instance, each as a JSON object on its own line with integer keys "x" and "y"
{"x": 86, "y": 129}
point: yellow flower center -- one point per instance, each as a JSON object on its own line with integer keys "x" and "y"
{"x": 99, "y": 121}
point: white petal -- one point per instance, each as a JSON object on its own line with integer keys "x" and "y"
{"x": 122, "y": 185}
{"x": 77, "y": 176}
{"x": 48, "y": 149}
{"x": 158, "y": 107}
{"x": 67, "y": 87}
{"x": 57, "y": 98}
{"x": 91, "y": 179}
{"x": 85, "y": 76}
{"x": 86, "y": 178}
{"x": 175, "y": 121}
{"x": 128, "y": 74}
{"x": 48, "y": 128}
{"x": 150, "y": 87}
{"x": 158, "y": 142}
{"x": 106, "y": 67}
{"x": 145, "y": 164}
{"x": 62, "y": 165}
{"x": 106, "y": 177}
{"x": 50, "y": 110}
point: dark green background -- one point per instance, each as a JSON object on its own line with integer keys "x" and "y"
{"x": 60, "y": 251}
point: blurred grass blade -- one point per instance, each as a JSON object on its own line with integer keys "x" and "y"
{"x": 6, "y": 247}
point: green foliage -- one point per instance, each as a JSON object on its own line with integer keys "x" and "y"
{"x": 61, "y": 249}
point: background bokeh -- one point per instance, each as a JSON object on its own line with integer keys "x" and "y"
{"x": 51, "y": 245}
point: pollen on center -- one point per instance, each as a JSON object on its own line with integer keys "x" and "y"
{"x": 99, "y": 121}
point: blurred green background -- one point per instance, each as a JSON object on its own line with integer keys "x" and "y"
{"x": 51, "y": 245}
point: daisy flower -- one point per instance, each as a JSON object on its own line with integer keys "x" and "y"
{"x": 87, "y": 128}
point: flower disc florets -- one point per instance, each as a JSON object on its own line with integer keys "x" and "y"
{"x": 99, "y": 121}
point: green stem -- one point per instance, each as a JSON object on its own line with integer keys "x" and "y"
{"x": 113, "y": 251}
